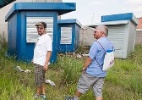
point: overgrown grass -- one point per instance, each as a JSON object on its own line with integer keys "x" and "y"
{"x": 122, "y": 83}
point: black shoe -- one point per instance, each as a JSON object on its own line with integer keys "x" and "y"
{"x": 69, "y": 98}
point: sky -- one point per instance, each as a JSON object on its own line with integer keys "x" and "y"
{"x": 90, "y": 11}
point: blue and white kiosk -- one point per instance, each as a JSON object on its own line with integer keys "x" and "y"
{"x": 121, "y": 32}
{"x": 22, "y": 33}
{"x": 69, "y": 35}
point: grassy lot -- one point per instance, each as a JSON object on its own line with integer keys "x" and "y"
{"x": 122, "y": 83}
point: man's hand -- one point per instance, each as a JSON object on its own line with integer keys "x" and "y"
{"x": 32, "y": 61}
{"x": 86, "y": 64}
{"x": 45, "y": 67}
{"x": 83, "y": 70}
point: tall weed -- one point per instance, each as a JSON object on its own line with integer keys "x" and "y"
{"x": 123, "y": 81}
{"x": 71, "y": 68}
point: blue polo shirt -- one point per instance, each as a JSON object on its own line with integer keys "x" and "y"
{"x": 97, "y": 53}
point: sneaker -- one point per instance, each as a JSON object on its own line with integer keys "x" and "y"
{"x": 36, "y": 96}
{"x": 43, "y": 97}
{"x": 69, "y": 98}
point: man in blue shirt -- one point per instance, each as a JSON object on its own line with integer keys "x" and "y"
{"x": 93, "y": 75}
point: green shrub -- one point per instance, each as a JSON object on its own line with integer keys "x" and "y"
{"x": 71, "y": 69}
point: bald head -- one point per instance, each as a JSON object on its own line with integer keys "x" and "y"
{"x": 103, "y": 29}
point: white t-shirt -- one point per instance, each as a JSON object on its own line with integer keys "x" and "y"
{"x": 43, "y": 44}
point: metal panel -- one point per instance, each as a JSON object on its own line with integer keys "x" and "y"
{"x": 31, "y": 30}
{"x": 66, "y": 35}
{"x": 116, "y": 35}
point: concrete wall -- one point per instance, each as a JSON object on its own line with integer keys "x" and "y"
{"x": 138, "y": 39}
{"x": 4, "y": 11}
{"x": 86, "y": 37}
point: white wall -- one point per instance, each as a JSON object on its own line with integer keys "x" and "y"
{"x": 86, "y": 37}
{"x": 138, "y": 39}
{"x": 4, "y": 11}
